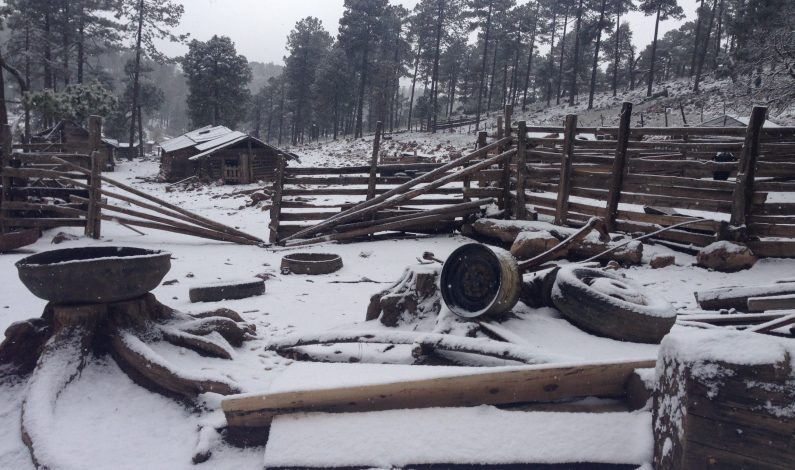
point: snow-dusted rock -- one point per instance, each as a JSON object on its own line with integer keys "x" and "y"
{"x": 529, "y": 244}
{"x": 662, "y": 261}
{"x": 725, "y": 256}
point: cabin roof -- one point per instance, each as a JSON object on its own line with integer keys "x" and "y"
{"x": 728, "y": 120}
{"x": 208, "y": 148}
{"x": 195, "y": 137}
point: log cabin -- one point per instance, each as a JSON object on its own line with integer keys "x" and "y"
{"x": 218, "y": 153}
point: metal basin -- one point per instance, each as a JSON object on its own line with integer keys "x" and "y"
{"x": 311, "y": 263}
{"x": 13, "y": 240}
{"x": 478, "y": 281}
{"x": 93, "y": 274}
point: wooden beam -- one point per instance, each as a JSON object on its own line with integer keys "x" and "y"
{"x": 526, "y": 384}
{"x": 562, "y": 206}
{"x": 774, "y": 302}
{"x": 744, "y": 190}
{"x": 276, "y": 203}
{"x": 379, "y": 127}
{"x": 521, "y": 171}
{"x": 619, "y": 167}
{"x": 93, "y": 220}
{"x": 5, "y": 162}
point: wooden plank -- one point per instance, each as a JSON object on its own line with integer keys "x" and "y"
{"x": 639, "y": 132}
{"x": 561, "y": 207}
{"x": 772, "y": 230}
{"x": 773, "y": 248}
{"x": 57, "y": 193}
{"x": 342, "y": 180}
{"x": 303, "y": 216}
{"x": 43, "y": 223}
{"x": 325, "y": 191}
{"x": 365, "y": 170}
{"x": 41, "y": 173}
{"x": 530, "y": 384}
{"x": 93, "y": 220}
{"x": 744, "y": 189}
{"x": 737, "y": 296}
{"x": 619, "y": 166}
{"x": 773, "y": 302}
{"x": 379, "y": 126}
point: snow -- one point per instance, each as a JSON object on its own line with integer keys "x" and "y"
{"x": 695, "y": 345}
{"x": 483, "y": 434}
{"x": 104, "y": 420}
{"x": 723, "y": 245}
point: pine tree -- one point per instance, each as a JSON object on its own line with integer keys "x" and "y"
{"x": 218, "y": 80}
{"x": 663, "y": 9}
{"x": 144, "y": 22}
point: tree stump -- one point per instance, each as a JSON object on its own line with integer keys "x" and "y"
{"x": 724, "y": 400}
{"x": 57, "y": 346}
{"x": 415, "y": 296}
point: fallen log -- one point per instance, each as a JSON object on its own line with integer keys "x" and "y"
{"x": 737, "y": 296}
{"x": 426, "y": 341}
{"x": 515, "y": 385}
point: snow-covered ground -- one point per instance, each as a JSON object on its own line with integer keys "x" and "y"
{"x": 104, "y": 420}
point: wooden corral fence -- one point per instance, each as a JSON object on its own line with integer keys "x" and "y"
{"x": 739, "y": 180}
{"x": 455, "y": 123}
{"x": 305, "y": 196}
{"x": 53, "y": 189}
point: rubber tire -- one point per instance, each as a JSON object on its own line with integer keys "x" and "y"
{"x": 229, "y": 291}
{"x": 598, "y": 313}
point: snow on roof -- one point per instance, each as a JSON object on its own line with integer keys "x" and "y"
{"x": 194, "y": 137}
{"x": 224, "y": 142}
{"x": 729, "y": 120}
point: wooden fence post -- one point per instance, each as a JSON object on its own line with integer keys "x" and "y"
{"x": 93, "y": 220}
{"x": 508, "y": 119}
{"x": 5, "y": 162}
{"x": 521, "y": 170}
{"x": 95, "y": 137}
{"x": 379, "y": 126}
{"x": 276, "y": 208}
{"x": 619, "y": 166}
{"x": 742, "y": 197}
{"x": 562, "y": 206}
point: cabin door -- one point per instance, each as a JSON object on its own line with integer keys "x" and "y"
{"x": 231, "y": 170}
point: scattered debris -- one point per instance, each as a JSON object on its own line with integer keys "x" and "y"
{"x": 662, "y": 261}
{"x": 61, "y": 237}
{"x": 227, "y": 290}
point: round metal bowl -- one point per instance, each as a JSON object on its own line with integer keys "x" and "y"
{"x": 93, "y": 274}
{"x": 478, "y": 281}
{"x": 311, "y": 263}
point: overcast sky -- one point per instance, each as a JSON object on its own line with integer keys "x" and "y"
{"x": 259, "y": 28}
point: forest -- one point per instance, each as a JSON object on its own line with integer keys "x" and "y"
{"x": 67, "y": 59}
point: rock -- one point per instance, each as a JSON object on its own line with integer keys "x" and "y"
{"x": 227, "y": 290}
{"x": 662, "y": 261}
{"x": 725, "y": 256}
{"x": 613, "y": 265}
{"x": 61, "y": 237}
{"x": 529, "y": 244}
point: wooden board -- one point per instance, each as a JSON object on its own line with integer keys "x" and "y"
{"x": 529, "y": 384}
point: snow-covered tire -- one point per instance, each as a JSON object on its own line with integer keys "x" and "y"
{"x": 608, "y": 305}
{"x": 228, "y": 290}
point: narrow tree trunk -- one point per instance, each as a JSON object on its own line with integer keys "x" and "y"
{"x": 552, "y": 55}
{"x": 493, "y": 73}
{"x": 435, "y": 79}
{"x": 514, "y": 74}
{"x": 696, "y": 39}
{"x": 483, "y": 65}
{"x": 360, "y": 109}
{"x": 530, "y": 57}
{"x": 48, "y": 81}
{"x": 653, "y": 53}
{"x": 66, "y": 41}
{"x": 414, "y": 81}
{"x": 81, "y": 38}
{"x": 140, "y": 132}
{"x": 596, "y": 55}
{"x": 702, "y": 57}
{"x": 562, "y": 50}
{"x": 573, "y": 87}
{"x": 718, "y": 38}
{"x": 27, "y": 75}
{"x": 136, "y": 79}
{"x": 616, "y": 58}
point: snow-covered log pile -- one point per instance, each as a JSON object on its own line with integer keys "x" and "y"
{"x": 530, "y": 238}
{"x": 724, "y": 400}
